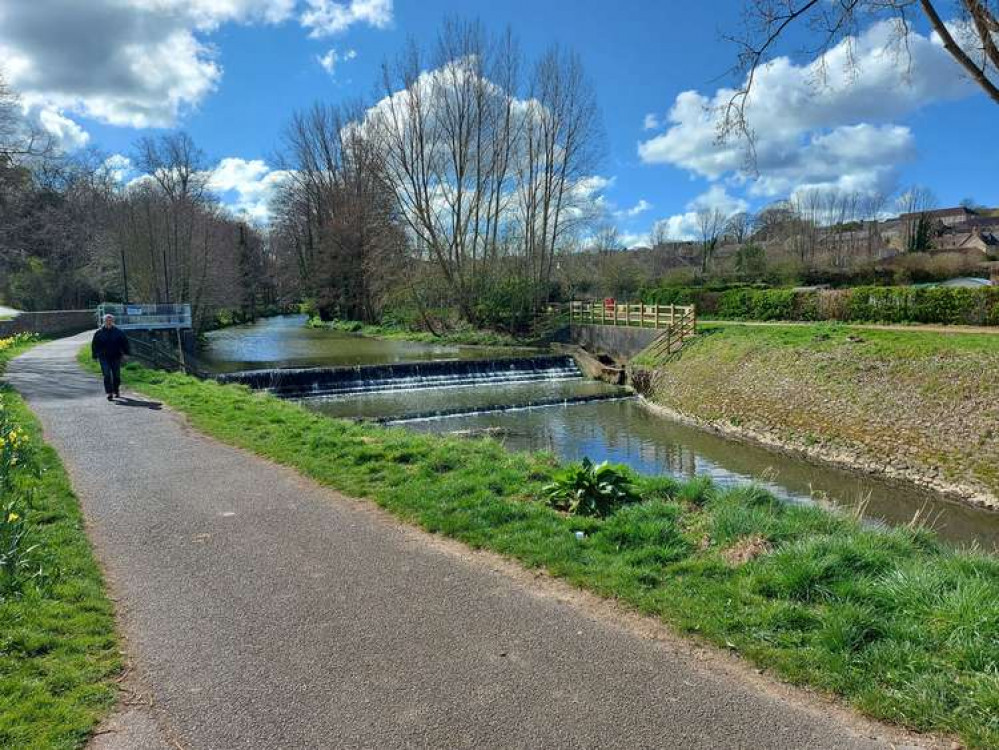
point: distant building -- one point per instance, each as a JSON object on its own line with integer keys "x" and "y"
{"x": 948, "y": 217}
{"x": 973, "y": 242}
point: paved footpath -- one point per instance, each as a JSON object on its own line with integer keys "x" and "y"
{"x": 262, "y": 611}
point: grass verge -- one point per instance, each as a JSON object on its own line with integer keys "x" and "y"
{"x": 902, "y": 626}
{"x": 916, "y": 404}
{"x": 58, "y": 651}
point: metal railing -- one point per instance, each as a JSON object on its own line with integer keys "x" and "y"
{"x": 147, "y": 317}
{"x": 163, "y": 359}
{"x": 610, "y": 313}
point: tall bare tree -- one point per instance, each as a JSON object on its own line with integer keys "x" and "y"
{"x": 178, "y": 173}
{"x": 481, "y": 167}
{"x": 336, "y": 215}
{"x": 739, "y": 227}
{"x": 710, "y": 226}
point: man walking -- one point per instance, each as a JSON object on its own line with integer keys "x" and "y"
{"x": 109, "y": 346}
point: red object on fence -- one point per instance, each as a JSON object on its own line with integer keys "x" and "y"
{"x": 609, "y": 303}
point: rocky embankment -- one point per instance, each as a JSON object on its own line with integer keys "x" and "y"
{"x": 915, "y": 406}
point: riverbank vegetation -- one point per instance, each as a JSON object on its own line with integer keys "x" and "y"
{"x": 920, "y": 405}
{"x": 459, "y": 335}
{"x": 871, "y": 304}
{"x": 900, "y": 625}
{"x": 58, "y": 652}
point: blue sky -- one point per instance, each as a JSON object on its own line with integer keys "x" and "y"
{"x": 230, "y": 72}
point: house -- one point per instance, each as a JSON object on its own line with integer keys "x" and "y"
{"x": 979, "y": 242}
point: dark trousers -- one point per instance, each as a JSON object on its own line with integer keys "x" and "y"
{"x": 111, "y": 369}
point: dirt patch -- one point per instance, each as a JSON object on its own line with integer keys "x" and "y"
{"x": 746, "y": 550}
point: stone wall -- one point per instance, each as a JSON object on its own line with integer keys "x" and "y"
{"x": 50, "y": 322}
{"x": 619, "y": 343}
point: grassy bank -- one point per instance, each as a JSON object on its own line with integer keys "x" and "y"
{"x": 466, "y": 336}
{"x": 920, "y": 405}
{"x": 58, "y": 653}
{"x": 900, "y": 625}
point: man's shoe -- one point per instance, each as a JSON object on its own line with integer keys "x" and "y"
{"x": 110, "y": 397}
{"x": 117, "y": 395}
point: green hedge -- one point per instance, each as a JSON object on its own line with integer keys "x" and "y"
{"x": 873, "y": 304}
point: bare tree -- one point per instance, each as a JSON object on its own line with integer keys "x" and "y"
{"x": 972, "y": 43}
{"x": 480, "y": 169}
{"x": 336, "y": 216}
{"x": 178, "y": 171}
{"x": 20, "y": 139}
{"x": 739, "y": 227}
{"x": 914, "y": 205}
{"x": 607, "y": 239}
{"x": 710, "y": 225}
{"x": 448, "y": 137}
{"x": 659, "y": 237}
{"x": 562, "y": 146}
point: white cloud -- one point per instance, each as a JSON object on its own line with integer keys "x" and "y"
{"x": 326, "y": 17}
{"x": 717, "y": 197}
{"x": 828, "y": 123}
{"x": 652, "y": 122}
{"x": 68, "y": 135}
{"x": 119, "y": 167}
{"x": 332, "y": 58}
{"x": 639, "y": 208}
{"x": 246, "y": 186}
{"x": 635, "y": 239}
{"x": 140, "y": 63}
{"x": 684, "y": 227}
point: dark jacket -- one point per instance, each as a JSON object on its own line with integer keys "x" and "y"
{"x": 109, "y": 343}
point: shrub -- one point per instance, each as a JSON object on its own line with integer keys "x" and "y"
{"x": 862, "y": 304}
{"x": 588, "y": 489}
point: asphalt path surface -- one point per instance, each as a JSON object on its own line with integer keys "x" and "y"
{"x": 260, "y": 610}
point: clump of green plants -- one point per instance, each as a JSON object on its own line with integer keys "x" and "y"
{"x": 588, "y": 489}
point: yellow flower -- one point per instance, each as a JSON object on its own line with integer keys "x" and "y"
{"x": 12, "y": 517}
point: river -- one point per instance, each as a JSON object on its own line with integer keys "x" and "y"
{"x": 286, "y": 341}
{"x": 617, "y": 427}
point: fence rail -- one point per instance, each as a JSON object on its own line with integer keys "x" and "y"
{"x": 670, "y": 341}
{"x": 148, "y": 317}
{"x": 602, "y": 312}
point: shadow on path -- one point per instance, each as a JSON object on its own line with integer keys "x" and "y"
{"x": 129, "y": 401}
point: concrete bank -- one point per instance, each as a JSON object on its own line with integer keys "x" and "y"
{"x": 264, "y": 611}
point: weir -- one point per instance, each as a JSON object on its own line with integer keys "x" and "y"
{"x": 328, "y": 381}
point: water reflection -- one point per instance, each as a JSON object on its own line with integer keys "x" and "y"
{"x": 405, "y": 404}
{"x": 285, "y": 341}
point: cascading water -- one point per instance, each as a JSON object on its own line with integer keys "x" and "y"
{"x": 331, "y": 381}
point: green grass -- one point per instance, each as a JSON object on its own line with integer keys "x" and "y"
{"x": 58, "y": 651}
{"x": 823, "y": 336}
{"x": 900, "y": 625}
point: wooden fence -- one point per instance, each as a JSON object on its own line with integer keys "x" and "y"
{"x": 604, "y": 313}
